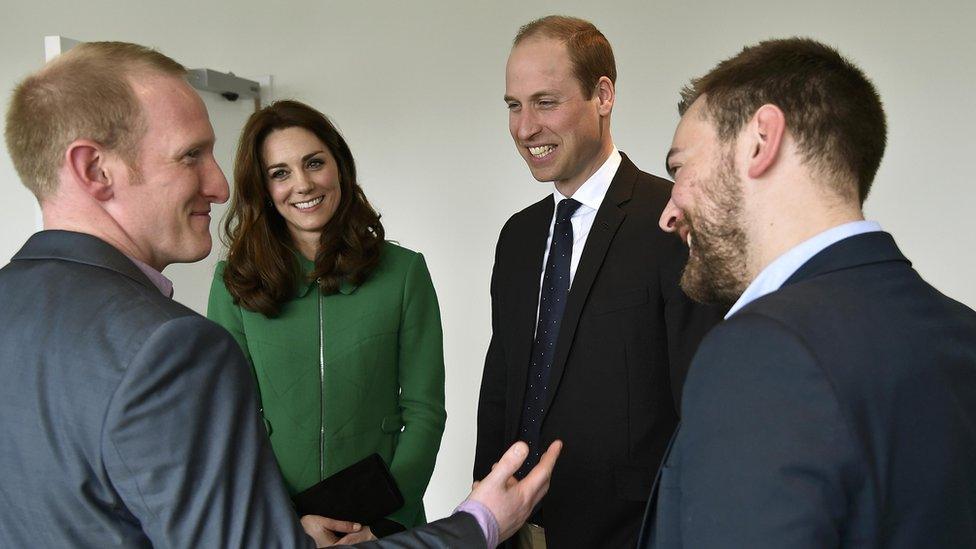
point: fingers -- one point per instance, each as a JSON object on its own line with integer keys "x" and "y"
{"x": 538, "y": 477}
{"x": 315, "y": 527}
{"x": 326, "y": 523}
{"x": 508, "y": 464}
{"x": 363, "y": 535}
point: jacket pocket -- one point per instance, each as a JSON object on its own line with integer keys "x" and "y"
{"x": 392, "y": 423}
{"x": 626, "y": 299}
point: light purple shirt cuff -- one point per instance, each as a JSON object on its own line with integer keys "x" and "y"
{"x": 486, "y": 519}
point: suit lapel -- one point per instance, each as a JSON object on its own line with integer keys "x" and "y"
{"x": 524, "y": 295}
{"x": 649, "y": 526}
{"x": 605, "y": 225}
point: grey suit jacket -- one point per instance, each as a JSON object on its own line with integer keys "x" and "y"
{"x": 838, "y": 411}
{"x": 128, "y": 420}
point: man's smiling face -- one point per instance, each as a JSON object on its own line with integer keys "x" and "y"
{"x": 556, "y": 127}
{"x": 163, "y": 201}
{"x": 706, "y": 210}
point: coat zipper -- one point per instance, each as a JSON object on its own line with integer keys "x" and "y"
{"x": 321, "y": 385}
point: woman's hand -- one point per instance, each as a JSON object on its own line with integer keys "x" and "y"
{"x": 326, "y": 531}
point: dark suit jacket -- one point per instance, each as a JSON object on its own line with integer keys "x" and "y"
{"x": 626, "y": 338}
{"x": 839, "y": 411}
{"x": 128, "y": 420}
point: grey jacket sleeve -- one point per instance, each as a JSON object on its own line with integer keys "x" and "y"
{"x": 184, "y": 446}
{"x": 458, "y": 530}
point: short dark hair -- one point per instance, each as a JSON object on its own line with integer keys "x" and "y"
{"x": 589, "y": 51}
{"x": 831, "y": 108}
{"x": 262, "y": 271}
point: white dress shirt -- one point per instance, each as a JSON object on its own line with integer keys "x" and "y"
{"x": 590, "y": 195}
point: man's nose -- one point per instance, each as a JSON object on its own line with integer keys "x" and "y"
{"x": 670, "y": 217}
{"x": 526, "y": 125}
{"x": 215, "y": 186}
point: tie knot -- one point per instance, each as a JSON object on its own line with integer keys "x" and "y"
{"x": 565, "y": 209}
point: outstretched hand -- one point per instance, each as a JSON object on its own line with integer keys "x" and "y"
{"x": 511, "y": 500}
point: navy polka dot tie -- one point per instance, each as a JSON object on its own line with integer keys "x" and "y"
{"x": 552, "y": 303}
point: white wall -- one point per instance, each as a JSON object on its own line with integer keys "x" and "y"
{"x": 417, "y": 89}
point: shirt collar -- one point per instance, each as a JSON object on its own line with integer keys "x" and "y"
{"x": 783, "y": 267}
{"x": 592, "y": 192}
{"x": 163, "y": 284}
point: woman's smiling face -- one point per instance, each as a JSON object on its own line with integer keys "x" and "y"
{"x": 302, "y": 179}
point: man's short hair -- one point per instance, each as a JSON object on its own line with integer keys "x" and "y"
{"x": 84, "y": 93}
{"x": 832, "y": 109}
{"x": 589, "y": 51}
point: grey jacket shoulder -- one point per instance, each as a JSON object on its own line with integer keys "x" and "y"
{"x": 113, "y": 387}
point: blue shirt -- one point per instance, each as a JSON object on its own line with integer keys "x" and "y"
{"x": 783, "y": 267}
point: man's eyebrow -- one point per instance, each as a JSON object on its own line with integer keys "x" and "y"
{"x": 201, "y": 144}
{"x": 667, "y": 161}
{"x": 544, "y": 92}
{"x": 534, "y": 96}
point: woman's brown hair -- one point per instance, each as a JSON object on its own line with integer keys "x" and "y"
{"x": 262, "y": 271}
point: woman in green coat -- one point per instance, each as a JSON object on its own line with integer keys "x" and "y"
{"x": 341, "y": 327}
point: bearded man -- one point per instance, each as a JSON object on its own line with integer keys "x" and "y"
{"x": 835, "y": 406}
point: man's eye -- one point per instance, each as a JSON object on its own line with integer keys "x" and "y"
{"x": 191, "y": 156}
{"x": 513, "y": 106}
{"x": 547, "y": 103}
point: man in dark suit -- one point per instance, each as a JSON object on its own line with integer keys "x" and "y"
{"x": 591, "y": 335}
{"x": 128, "y": 420}
{"x": 835, "y": 407}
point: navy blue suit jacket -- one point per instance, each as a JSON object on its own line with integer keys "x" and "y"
{"x": 838, "y": 411}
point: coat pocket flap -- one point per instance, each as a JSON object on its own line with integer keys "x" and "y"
{"x": 392, "y": 423}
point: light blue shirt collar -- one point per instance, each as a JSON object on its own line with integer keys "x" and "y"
{"x": 783, "y": 267}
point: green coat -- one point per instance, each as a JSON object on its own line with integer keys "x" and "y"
{"x": 383, "y": 388}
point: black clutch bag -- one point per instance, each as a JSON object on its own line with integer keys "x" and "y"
{"x": 364, "y": 492}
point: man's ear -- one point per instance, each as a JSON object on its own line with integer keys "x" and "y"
{"x": 768, "y": 126}
{"x": 605, "y": 95}
{"x": 87, "y": 166}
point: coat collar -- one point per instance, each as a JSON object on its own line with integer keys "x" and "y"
{"x": 855, "y": 251}
{"x": 345, "y": 287}
{"x": 81, "y": 248}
